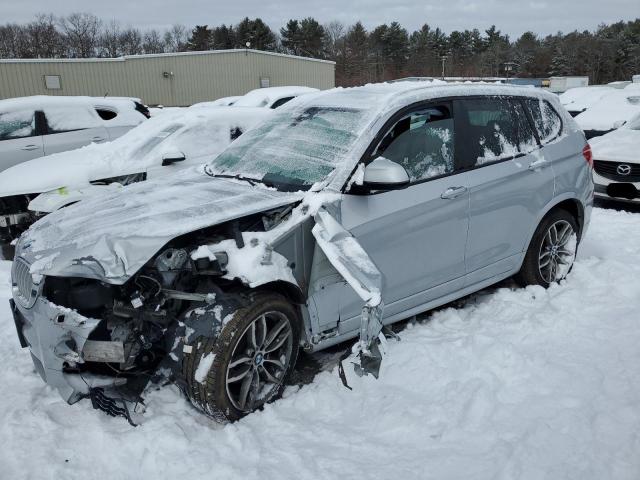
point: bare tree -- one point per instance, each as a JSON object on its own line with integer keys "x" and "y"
{"x": 175, "y": 39}
{"x": 42, "y": 38}
{"x": 335, "y": 32}
{"x": 12, "y": 41}
{"x": 110, "y": 40}
{"x": 152, "y": 42}
{"x": 131, "y": 41}
{"x": 82, "y": 33}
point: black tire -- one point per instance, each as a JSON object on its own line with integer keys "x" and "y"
{"x": 530, "y": 273}
{"x": 210, "y": 395}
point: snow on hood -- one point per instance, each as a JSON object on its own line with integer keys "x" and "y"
{"x": 112, "y": 236}
{"x": 616, "y": 107}
{"x": 198, "y": 133}
{"x": 581, "y": 98}
{"x": 618, "y": 146}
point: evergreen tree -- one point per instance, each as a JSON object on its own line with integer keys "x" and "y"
{"x": 223, "y": 38}
{"x": 256, "y": 33}
{"x": 290, "y": 37}
{"x": 200, "y": 38}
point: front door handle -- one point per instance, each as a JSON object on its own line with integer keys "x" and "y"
{"x": 97, "y": 139}
{"x": 538, "y": 164}
{"x": 453, "y": 192}
{"x": 30, "y": 147}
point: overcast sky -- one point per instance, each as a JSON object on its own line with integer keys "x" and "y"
{"x": 510, "y": 16}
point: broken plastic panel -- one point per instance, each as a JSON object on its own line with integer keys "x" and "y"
{"x": 354, "y": 264}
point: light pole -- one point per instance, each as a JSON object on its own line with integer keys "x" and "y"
{"x": 444, "y": 59}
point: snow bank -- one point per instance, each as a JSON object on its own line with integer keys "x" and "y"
{"x": 517, "y": 383}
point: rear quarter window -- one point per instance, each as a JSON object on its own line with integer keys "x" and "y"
{"x": 106, "y": 114}
{"x": 546, "y": 120}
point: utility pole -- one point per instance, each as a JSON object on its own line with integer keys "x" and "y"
{"x": 444, "y": 59}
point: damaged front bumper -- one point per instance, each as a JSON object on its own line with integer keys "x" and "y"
{"x": 56, "y": 337}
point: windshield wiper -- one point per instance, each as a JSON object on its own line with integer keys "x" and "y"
{"x": 250, "y": 181}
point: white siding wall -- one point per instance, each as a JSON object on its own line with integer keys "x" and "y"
{"x": 197, "y": 76}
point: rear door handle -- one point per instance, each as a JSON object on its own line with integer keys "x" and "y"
{"x": 30, "y": 147}
{"x": 97, "y": 139}
{"x": 453, "y": 192}
{"x": 538, "y": 164}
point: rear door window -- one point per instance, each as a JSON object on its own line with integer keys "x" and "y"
{"x": 18, "y": 124}
{"x": 422, "y": 142}
{"x": 545, "y": 118}
{"x": 70, "y": 118}
{"x": 492, "y": 129}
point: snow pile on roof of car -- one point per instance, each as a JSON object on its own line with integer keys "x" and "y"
{"x": 56, "y": 109}
{"x": 617, "y": 107}
{"x": 261, "y": 97}
{"x": 128, "y": 154}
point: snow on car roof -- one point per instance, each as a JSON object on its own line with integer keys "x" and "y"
{"x": 617, "y": 107}
{"x": 125, "y": 107}
{"x": 202, "y": 132}
{"x": 264, "y": 97}
{"x": 220, "y": 102}
{"x": 580, "y": 98}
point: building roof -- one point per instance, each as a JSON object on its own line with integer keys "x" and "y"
{"x": 159, "y": 55}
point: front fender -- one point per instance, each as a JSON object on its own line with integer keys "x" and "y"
{"x": 62, "y": 197}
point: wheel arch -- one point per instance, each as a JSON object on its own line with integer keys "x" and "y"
{"x": 566, "y": 202}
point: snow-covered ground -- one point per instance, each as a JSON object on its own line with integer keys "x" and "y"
{"x": 513, "y": 384}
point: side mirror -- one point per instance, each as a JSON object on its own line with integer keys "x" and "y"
{"x": 383, "y": 174}
{"x": 172, "y": 157}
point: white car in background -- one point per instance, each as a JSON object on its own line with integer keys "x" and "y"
{"x": 612, "y": 111}
{"x": 577, "y": 100}
{"x": 271, "y": 97}
{"x": 32, "y": 127}
{"x": 220, "y": 102}
{"x": 616, "y": 161}
{"x": 160, "y": 146}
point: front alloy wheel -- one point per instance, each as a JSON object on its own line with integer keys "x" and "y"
{"x": 259, "y": 361}
{"x": 247, "y": 364}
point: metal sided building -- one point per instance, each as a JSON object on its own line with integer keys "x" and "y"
{"x": 170, "y": 79}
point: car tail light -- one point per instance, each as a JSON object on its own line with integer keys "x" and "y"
{"x": 588, "y": 156}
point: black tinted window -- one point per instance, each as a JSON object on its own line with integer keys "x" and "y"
{"x": 106, "y": 114}
{"x": 546, "y": 119}
{"x": 492, "y": 129}
{"x": 422, "y": 142}
{"x": 281, "y": 101}
{"x": 17, "y": 125}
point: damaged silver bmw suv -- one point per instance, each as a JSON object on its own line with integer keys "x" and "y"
{"x": 348, "y": 210}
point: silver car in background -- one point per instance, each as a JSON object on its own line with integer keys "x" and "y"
{"x": 348, "y": 210}
{"x": 32, "y": 127}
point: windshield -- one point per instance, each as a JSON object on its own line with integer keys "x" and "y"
{"x": 293, "y": 152}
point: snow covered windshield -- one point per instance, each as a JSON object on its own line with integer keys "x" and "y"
{"x": 293, "y": 152}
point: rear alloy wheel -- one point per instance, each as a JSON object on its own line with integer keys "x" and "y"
{"x": 557, "y": 251}
{"x": 248, "y": 363}
{"x": 552, "y": 250}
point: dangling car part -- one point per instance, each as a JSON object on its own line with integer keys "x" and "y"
{"x": 345, "y": 211}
